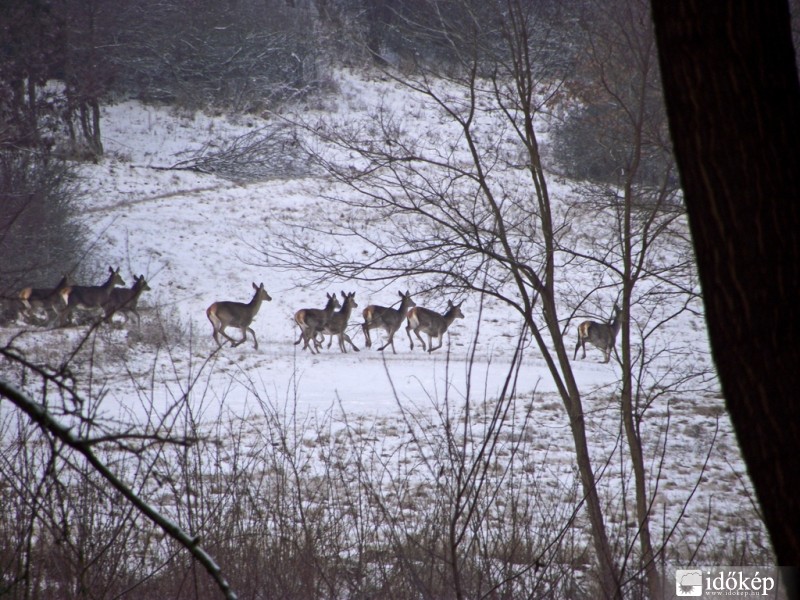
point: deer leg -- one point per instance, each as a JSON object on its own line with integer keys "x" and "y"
{"x": 307, "y": 338}
{"x": 430, "y": 342}
{"x": 365, "y": 329}
{"x": 28, "y": 316}
{"x": 311, "y": 342}
{"x": 58, "y": 316}
{"x": 244, "y": 337}
{"x": 303, "y": 339}
{"x": 389, "y": 341}
{"x": 317, "y": 341}
{"x": 581, "y": 344}
{"x": 225, "y": 335}
{"x": 408, "y": 333}
{"x": 421, "y": 341}
{"x": 49, "y": 320}
{"x": 33, "y": 319}
{"x": 253, "y": 333}
{"x": 347, "y": 339}
{"x": 211, "y": 317}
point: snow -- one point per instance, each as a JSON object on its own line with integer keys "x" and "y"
{"x": 199, "y": 239}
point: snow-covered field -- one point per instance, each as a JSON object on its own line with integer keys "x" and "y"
{"x": 198, "y": 239}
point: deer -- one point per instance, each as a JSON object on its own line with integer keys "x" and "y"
{"x": 237, "y": 314}
{"x": 48, "y": 299}
{"x": 388, "y": 319}
{"x": 600, "y": 335}
{"x": 89, "y": 297}
{"x": 432, "y": 323}
{"x": 125, "y": 300}
{"x": 337, "y": 324}
{"x": 312, "y": 321}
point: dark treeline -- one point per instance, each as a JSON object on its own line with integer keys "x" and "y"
{"x": 62, "y": 60}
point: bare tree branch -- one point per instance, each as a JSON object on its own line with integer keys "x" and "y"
{"x": 46, "y": 422}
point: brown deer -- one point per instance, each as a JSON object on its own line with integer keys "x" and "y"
{"x": 312, "y": 321}
{"x": 601, "y": 335}
{"x": 237, "y": 314}
{"x": 388, "y": 319}
{"x": 432, "y": 323}
{"x": 49, "y": 300}
{"x": 337, "y": 324}
{"x": 90, "y": 297}
{"x": 125, "y": 300}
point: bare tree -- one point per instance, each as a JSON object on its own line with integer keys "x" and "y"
{"x": 615, "y": 138}
{"x": 245, "y": 56}
{"x": 75, "y": 432}
{"x": 455, "y": 219}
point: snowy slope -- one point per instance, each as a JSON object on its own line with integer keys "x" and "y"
{"x": 198, "y": 238}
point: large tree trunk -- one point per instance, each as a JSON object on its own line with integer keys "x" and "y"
{"x": 733, "y": 100}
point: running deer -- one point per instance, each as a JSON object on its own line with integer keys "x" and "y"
{"x": 96, "y": 296}
{"x": 337, "y": 324}
{"x": 312, "y": 321}
{"x": 125, "y": 300}
{"x": 237, "y": 314}
{"x": 388, "y": 319}
{"x": 601, "y": 335}
{"x": 432, "y": 323}
{"x": 47, "y": 299}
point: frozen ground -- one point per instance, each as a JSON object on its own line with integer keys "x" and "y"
{"x": 198, "y": 239}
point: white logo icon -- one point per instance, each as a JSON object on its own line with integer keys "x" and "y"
{"x": 688, "y": 583}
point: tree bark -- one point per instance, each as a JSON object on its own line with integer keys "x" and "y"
{"x": 733, "y": 101}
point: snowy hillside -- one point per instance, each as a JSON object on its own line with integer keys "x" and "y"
{"x": 199, "y": 239}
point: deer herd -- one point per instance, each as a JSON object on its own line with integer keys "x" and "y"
{"x": 316, "y": 323}
{"x": 60, "y": 303}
